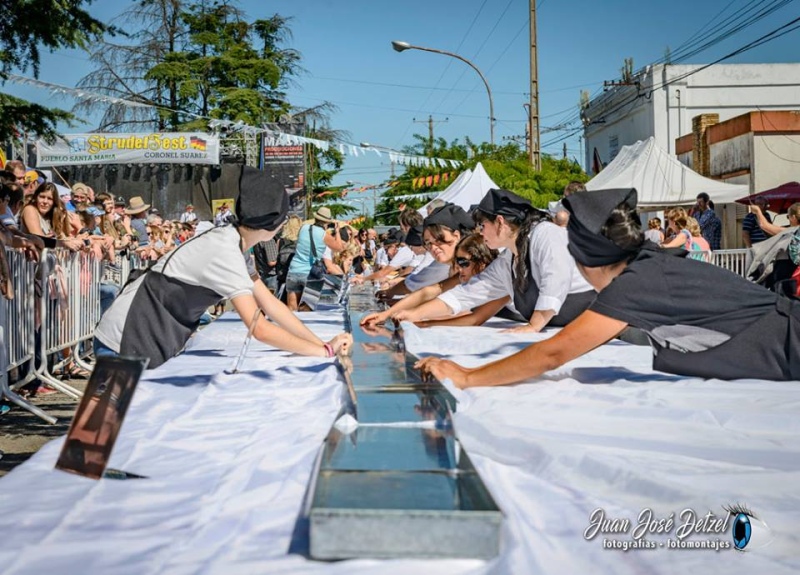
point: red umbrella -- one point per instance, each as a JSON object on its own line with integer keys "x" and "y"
{"x": 779, "y": 198}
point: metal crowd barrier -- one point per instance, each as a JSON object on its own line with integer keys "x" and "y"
{"x": 736, "y": 261}
{"x": 18, "y": 323}
{"x": 69, "y": 310}
{"x": 119, "y": 272}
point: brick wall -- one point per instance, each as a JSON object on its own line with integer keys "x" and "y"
{"x": 700, "y": 156}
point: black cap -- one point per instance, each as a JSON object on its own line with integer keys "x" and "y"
{"x": 589, "y": 212}
{"x": 499, "y": 202}
{"x": 414, "y": 236}
{"x": 263, "y": 204}
{"x": 451, "y": 216}
{"x": 120, "y": 201}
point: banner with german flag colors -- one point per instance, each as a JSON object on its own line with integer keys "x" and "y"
{"x": 114, "y": 148}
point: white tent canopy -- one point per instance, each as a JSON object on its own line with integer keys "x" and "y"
{"x": 465, "y": 191}
{"x": 660, "y": 179}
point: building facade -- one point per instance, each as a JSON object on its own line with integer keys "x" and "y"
{"x": 758, "y": 149}
{"x": 662, "y": 100}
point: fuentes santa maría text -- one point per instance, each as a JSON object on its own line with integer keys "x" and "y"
{"x": 685, "y": 530}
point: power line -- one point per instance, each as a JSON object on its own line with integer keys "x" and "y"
{"x": 768, "y": 37}
{"x": 696, "y": 50}
{"x": 446, "y": 68}
{"x": 464, "y": 71}
{"x": 411, "y": 86}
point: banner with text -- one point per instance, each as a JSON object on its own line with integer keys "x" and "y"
{"x": 285, "y": 164}
{"x": 147, "y": 148}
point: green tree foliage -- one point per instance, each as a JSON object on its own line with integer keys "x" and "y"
{"x": 26, "y": 26}
{"x": 154, "y": 31}
{"x": 507, "y": 165}
{"x": 192, "y": 63}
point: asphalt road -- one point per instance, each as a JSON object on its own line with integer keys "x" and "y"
{"x": 22, "y": 434}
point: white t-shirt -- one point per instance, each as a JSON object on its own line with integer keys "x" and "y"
{"x": 403, "y": 258}
{"x": 213, "y": 260}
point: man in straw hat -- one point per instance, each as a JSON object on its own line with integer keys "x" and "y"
{"x": 156, "y": 314}
{"x": 188, "y": 216}
{"x": 137, "y": 210}
{"x": 311, "y": 242}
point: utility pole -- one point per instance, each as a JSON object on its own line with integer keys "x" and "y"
{"x": 430, "y": 121}
{"x": 535, "y": 152}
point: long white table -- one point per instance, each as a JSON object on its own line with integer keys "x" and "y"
{"x": 229, "y": 459}
{"x": 607, "y": 431}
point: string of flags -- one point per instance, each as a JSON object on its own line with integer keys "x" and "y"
{"x": 278, "y": 138}
{"x": 399, "y": 157}
{"x": 433, "y": 180}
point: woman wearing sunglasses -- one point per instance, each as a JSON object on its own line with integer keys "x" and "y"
{"x": 471, "y": 258}
{"x": 535, "y": 273}
{"x": 434, "y": 243}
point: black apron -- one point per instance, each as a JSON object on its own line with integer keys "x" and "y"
{"x": 767, "y": 349}
{"x": 164, "y": 313}
{"x": 574, "y": 305}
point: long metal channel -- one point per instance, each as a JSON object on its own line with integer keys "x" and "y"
{"x": 397, "y": 484}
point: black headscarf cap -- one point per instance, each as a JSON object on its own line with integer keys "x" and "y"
{"x": 589, "y": 212}
{"x": 414, "y": 236}
{"x": 451, "y": 216}
{"x": 504, "y": 203}
{"x": 263, "y": 204}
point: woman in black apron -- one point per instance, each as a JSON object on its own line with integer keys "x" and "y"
{"x": 535, "y": 272}
{"x": 702, "y": 320}
{"x": 156, "y": 314}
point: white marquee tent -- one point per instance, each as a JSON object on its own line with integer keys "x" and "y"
{"x": 660, "y": 179}
{"x": 465, "y": 191}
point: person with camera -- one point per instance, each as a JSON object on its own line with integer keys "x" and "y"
{"x": 311, "y": 243}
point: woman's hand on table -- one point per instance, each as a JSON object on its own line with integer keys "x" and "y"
{"x": 374, "y": 318}
{"x": 525, "y": 328}
{"x": 341, "y": 344}
{"x": 441, "y": 369}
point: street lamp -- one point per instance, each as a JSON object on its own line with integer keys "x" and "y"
{"x": 402, "y": 46}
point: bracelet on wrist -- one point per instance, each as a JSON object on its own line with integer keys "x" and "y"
{"x": 329, "y": 350}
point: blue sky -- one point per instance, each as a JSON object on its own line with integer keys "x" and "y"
{"x": 349, "y": 61}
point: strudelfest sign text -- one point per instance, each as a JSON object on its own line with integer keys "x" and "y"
{"x": 146, "y": 148}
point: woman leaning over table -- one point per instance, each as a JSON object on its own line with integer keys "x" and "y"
{"x": 471, "y": 258}
{"x": 155, "y": 315}
{"x": 535, "y": 273}
{"x": 744, "y": 331}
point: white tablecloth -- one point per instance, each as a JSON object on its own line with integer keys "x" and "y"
{"x": 230, "y": 457}
{"x": 607, "y": 431}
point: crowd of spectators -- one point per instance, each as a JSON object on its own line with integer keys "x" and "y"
{"x": 36, "y": 213}
{"x": 425, "y": 258}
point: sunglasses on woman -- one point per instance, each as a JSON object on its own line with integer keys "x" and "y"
{"x": 463, "y": 262}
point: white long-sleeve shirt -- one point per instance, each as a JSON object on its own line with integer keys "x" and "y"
{"x": 428, "y": 272}
{"x": 552, "y": 268}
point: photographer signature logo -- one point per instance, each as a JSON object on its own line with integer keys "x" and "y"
{"x": 733, "y": 528}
